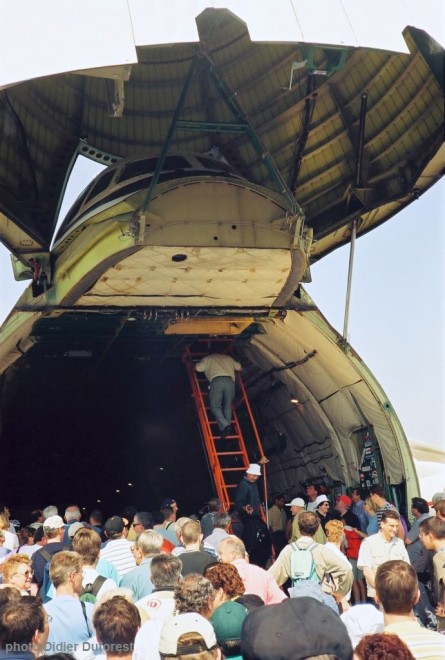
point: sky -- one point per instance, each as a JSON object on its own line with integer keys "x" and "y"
{"x": 397, "y": 317}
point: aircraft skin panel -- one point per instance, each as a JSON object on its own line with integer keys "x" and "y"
{"x": 309, "y": 125}
{"x": 214, "y": 277}
{"x": 329, "y": 380}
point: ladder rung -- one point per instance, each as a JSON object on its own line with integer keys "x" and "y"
{"x": 230, "y": 453}
{"x": 235, "y": 469}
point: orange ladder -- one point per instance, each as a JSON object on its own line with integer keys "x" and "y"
{"x": 227, "y": 457}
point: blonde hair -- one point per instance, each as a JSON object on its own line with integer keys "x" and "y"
{"x": 191, "y": 532}
{"x": 11, "y": 565}
{"x": 334, "y": 531}
{"x": 372, "y": 506}
{"x": 62, "y": 565}
{"x": 4, "y": 522}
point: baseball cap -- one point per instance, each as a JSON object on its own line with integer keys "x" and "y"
{"x": 73, "y": 528}
{"x": 54, "y": 522}
{"x": 189, "y": 622}
{"x": 269, "y": 632}
{"x": 320, "y": 499}
{"x": 437, "y": 497}
{"x": 114, "y": 524}
{"x": 227, "y": 621}
{"x": 345, "y": 499}
{"x": 254, "y": 468}
{"x": 297, "y": 501}
{"x": 168, "y": 501}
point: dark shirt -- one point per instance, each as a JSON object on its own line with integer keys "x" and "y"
{"x": 20, "y": 655}
{"x": 39, "y": 561}
{"x": 247, "y": 493}
{"x": 324, "y": 519}
{"x": 350, "y": 519}
{"x": 195, "y": 561}
{"x": 207, "y": 523}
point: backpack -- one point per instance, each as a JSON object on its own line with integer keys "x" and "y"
{"x": 256, "y": 534}
{"x": 90, "y": 590}
{"x": 46, "y": 582}
{"x": 302, "y": 565}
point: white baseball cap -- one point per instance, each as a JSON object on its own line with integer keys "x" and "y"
{"x": 54, "y": 522}
{"x": 188, "y": 622}
{"x": 297, "y": 501}
{"x": 254, "y": 468}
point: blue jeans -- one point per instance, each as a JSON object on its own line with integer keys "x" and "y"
{"x": 222, "y": 394}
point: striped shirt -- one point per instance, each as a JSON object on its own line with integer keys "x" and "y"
{"x": 118, "y": 553}
{"x": 422, "y": 643}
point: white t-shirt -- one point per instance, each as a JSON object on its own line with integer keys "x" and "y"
{"x": 90, "y": 574}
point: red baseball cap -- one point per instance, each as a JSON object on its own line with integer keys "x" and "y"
{"x": 345, "y": 499}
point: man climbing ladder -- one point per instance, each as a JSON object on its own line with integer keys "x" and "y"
{"x": 220, "y": 372}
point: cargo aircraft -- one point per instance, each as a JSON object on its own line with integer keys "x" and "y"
{"x": 230, "y": 167}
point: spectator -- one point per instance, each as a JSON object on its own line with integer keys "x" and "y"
{"x": 11, "y": 541}
{"x": 378, "y": 496}
{"x": 397, "y": 592}
{"x": 23, "y": 625}
{"x": 323, "y": 511}
{"x": 158, "y": 606}
{"x": 297, "y": 506}
{"x": 432, "y": 535}
{"x": 277, "y": 522}
{"x": 334, "y": 535}
{"x": 193, "y": 559}
{"x": 420, "y": 511}
{"x": 225, "y": 580}
{"x": 96, "y": 520}
{"x": 49, "y": 511}
{"x": 4, "y": 552}
{"x": 70, "y": 618}
{"x": 147, "y": 545}
{"x": 381, "y": 547}
{"x": 118, "y": 550}
{"x": 116, "y": 622}
{"x": 334, "y": 575}
{"x": 227, "y": 621}
{"x": 188, "y": 634}
{"x": 297, "y": 628}
{"x": 29, "y": 547}
{"x": 358, "y": 508}
{"x": 159, "y": 525}
{"x": 381, "y": 646}
{"x": 165, "y": 572}
{"x": 195, "y": 594}
{"x": 207, "y": 521}
{"x": 256, "y": 580}
{"x": 53, "y": 530}
{"x": 17, "y": 573}
{"x": 343, "y": 508}
{"x": 221, "y": 522}
{"x": 371, "y": 510}
{"x": 312, "y": 491}
{"x": 86, "y": 543}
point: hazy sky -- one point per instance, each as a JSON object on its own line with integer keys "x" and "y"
{"x": 397, "y": 317}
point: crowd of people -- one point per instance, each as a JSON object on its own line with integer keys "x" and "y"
{"x": 333, "y": 576}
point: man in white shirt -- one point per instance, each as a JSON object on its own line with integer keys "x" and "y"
{"x": 380, "y": 547}
{"x": 220, "y": 372}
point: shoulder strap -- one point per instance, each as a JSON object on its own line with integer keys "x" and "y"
{"x": 97, "y": 584}
{"x": 170, "y": 523}
{"x": 84, "y": 612}
{"x": 45, "y": 554}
